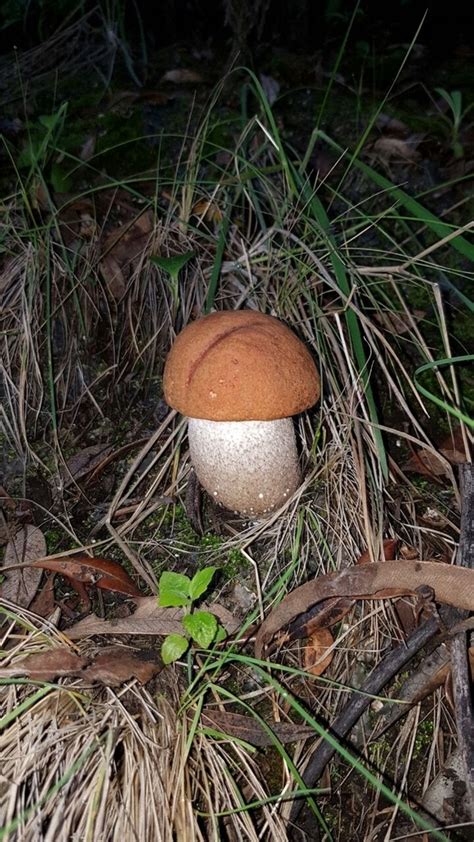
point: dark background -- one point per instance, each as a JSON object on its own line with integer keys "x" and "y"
{"x": 253, "y": 25}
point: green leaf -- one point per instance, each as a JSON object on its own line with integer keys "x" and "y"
{"x": 202, "y": 626}
{"x": 201, "y": 581}
{"x": 172, "y": 265}
{"x": 60, "y": 181}
{"x": 221, "y": 634}
{"x": 49, "y": 121}
{"x": 173, "y": 647}
{"x": 174, "y": 589}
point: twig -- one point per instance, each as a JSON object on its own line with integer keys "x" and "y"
{"x": 460, "y": 668}
{"x": 360, "y": 701}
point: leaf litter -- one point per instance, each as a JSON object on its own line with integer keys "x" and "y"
{"x": 112, "y": 666}
{"x": 21, "y": 584}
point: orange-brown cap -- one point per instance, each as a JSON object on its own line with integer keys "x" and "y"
{"x": 239, "y": 365}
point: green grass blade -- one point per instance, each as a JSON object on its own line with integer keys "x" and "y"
{"x": 422, "y": 214}
{"x": 452, "y": 410}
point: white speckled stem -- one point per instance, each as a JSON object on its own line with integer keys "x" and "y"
{"x": 249, "y": 466}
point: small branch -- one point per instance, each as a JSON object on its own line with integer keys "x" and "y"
{"x": 379, "y": 677}
{"x": 461, "y": 677}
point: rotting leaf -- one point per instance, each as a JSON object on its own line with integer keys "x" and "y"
{"x": 103, "y": 572}
{"x": 20, "y": 585}
{"x": 318, "y": 653}
{"x": 249, "y": 729}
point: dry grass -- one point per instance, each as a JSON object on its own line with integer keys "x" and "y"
{"x": 97, "y": 764}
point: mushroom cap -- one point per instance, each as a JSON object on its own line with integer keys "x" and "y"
{"x": 239, "y": 365}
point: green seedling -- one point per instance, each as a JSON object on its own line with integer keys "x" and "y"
{"x": 177, "y": 590}
{"x": 172, "y": 266}
{"x": 455, "y": 118}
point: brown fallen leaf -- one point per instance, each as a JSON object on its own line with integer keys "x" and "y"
{"x": 390, "y": 546}
{"x": 112, "y": 666}
{"x": 149, "y": 618}
{"x": 181, "y": 76}
{"x": 208, "y": 210}
{"x": 122, "y": 250}
{"x": 318, "y": 653}
{"x": 331, "y": 611}
{"x": 116, "y": 665}
{"x": 114, "y": 276}
{"x": 452, "y": 585}
{"x": 43, "y": 603}
{"x": 20, "y": 585}
{"x": 83, "y": 462}
{"x": 102, "y": 572}
{"x": 427, "y": 463}
{"x": 249, "y": 729}
{"x": 391, "y": 125}
{"x": 46, "y": 666}
{"x": 396, "y": 149}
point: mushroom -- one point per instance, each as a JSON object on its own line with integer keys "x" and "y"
{"x": 239, "y": 376}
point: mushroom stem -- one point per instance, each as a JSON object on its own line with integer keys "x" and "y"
{"x": 248, "y": 466}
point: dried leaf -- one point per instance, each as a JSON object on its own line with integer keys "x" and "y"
{"x": 88, "y": 148}
{"x": 395, "y": 149}
{"x": 113, "y": 276}
{"x": 390, "y": 546}
{"x": 46, "y": 666}
{"x": 43, "y": 603}
{"x": 454, "y": 457}
{"x": 316, "y": 655}
{"x": 149, "y": 618}
{"x": 207, "y": 209}
{"x": 21, "y": 585}
{"x": 452, "y": 585}
{"x": 429, "y": 463}
{"x": 102, "y": 572}
{"x": 331, "y": 611}
{"x": 446, "y": 796}
{"x": 181, "y": 76}
{"x": 112, "y": 666}
{"x": 115, "y": 665}
{"x": 83, "y": 462}
{"x": 249, "y": 729}
{"x": 122, "y": 250}
{"x": 270, "y": 86}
